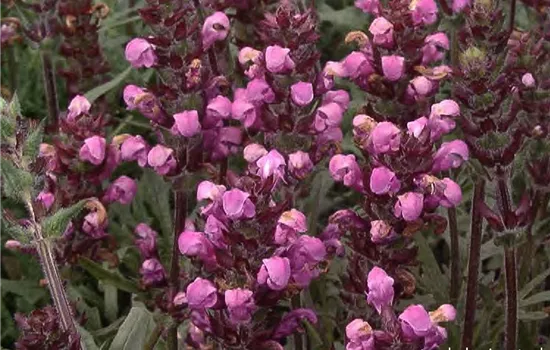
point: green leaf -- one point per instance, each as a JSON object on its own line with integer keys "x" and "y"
{"x": 135, "y": 331}
{"x": 15, "y": 107}
{"x": 431, "y": 278}
{"x": 55, "y": 225}
{"x": 535, "y": 299}
{"x": 321, "y": 184}
{"x": 32, "y": 143}
{"x": 107, "y": 276}
{"x": 7, "y": 127}
{"x": 86, "y": 339}
{"x": 17, "y": 232}
{"x": 28, "y": 290}
{"x": 531, "y": 315}
{"x": 533, "y": 283}
{"x": 315, "y": 340}
{"x": 100, "y": 90}
{"x": 16, "y": 183}
{"x": 347, "y": 18}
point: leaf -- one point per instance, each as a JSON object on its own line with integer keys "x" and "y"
{"x": 16, "y": 183}
{"x": 533, "y": 283}
{"x": 55, "y": 225}
{"x": 100, "y": 90}
{"x": 17, "y": 232}
{"x": 348, "y": 17}
{"x": 30, "y": 291}
{"x": 431, "y": 277}
{"x": 7, "y": 127}
{"x": 535, "y": 299}
{"x": 119, "y": 23}
{"x": 107, "y": 276}
{"x": 322, "y": 182}
{"x": 15, "y": 107}
{"x": 135, "y": 331}
{"x": 32, "y": 143}
{"x": 531, "y": 315}
{"x": 86, "y": 339}
{"x": 315, "y": 340}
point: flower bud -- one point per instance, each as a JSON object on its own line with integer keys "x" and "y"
{"x": 152, "y": 272}
{"x": 415, "y": 322}
{"x": 79, "y": 105}
{"x": 385, "y": 138}
{"x": 327, "y": 116}
{"x": 381, "y": 232}
{"x": 162, "y": 159}
{"x": 383, "y": 180}
{"x": 299, "y": 164}
{"x": 356, "y": 65}
{"x": 240, "y": 305}
{"x": 215, "y": 28}
{"x": 380, "y": 289}
{"x": 219, "y": 107}
{"x": 146, "y": 240}
{"x": 201, "y": 294}
{"x": 393, "y": 67}
{"x": 187, "y": 123}
{"x": 434, "y": 48}
{"x": 135, "y": 148}
{"x": 423, "y": 12}
{"x": 289, "y": 224}
{"x": 46, "y": 198}
{"x": 382, "y": 32}
{"x": 122, "y": 190}
{"x": 237, "y": 205}
{"x": 275, "y": 272}
{"x": 409, "y": 206}
{"x": 140, "y": 53}
{"x": 277, "y": 59}
{"x": 345, "y": 168}
{"x": 253, "y": 152}
{"x": 301, "y": 93}
{"x": 93, "y": 150}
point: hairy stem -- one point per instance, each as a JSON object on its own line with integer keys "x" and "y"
{"x": 50, "y": 89}
{"x": 512, "y": 16}
{"x": 511, "y": 332}
{"x": 455, "y": 256}
{"x": 476, "y": 230}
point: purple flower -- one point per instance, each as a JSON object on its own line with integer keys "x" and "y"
{"x": 363, "y": 126}
{"x": 383, "y": 180}
{"x": 301, "y": 93}
{"x": 146, "y": 240}
{"x": 359, "y": 333}
{"x": 416, "y": 127}
{"x": 46, "y": 198}
{"x": 162, "y": 159}
{"x": 393, "y": 67}
{"x": 345, "y": 168}
{"x": 122, "y": 190}
{"x": 240, "y": 305}
{"x": 187, "y": 123}
{"x": 415, "y": 322}
{"x": 452, "y": 194}
{"x": 291, "y": 322}
{"x": 201, "y": 294}
{"x": 444, "y": 313}
{"x": 215, "y": 28}
{"x": 93, "y": 150}
{"x": 209, "y": 190}
{"x": 290, "y": 223}
{"x": 527, "y": 80}
{"x": 277, "y": 59}
{"x": 135, "y": 148}
{"x": 409, "y": 206}
{"x": 131, "y": 92}
{"x": 244, "y": 111}
{"x": 445, "y": 108}
{"x": 79, "y": 105}
{"x": 380, "y": 289}
{"x": 450, "y": 155}
{"x": 195, "y": 244}
{"x": 219, "y": 108}
{"x": 214, "y": 229}
{"x": 434, "y": 48}
{"x": 152, "y": 272}
{"x": 140, "y": 53}
{"x": 341, "y": 97}
{"x": 368, "y": 6}
{"x": 299, "y": 164}
{"x": 384, "y": 138}
{"x": 145, "y": 102}
{"x": 423, "y": 12}
{"x": 253, "y": 152}
{"x": 381, "y": 232}
{"x": 237, "y": 205}
{"x": 93, "y": 225}
{"x": 259, "y": 92}
{"x": 459, "y": 5}
{"x": 382, "y": 32}
{"x": 275, "y": 272}
{"x": 304, "y": 254}
{"x": 271, "y": 164}
{"x": 356, "y": 65}
{"x": 328, "y": 115}
{"x": 419, "y": 88}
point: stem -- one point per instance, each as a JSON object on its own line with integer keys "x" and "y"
{"x": 511, "y": 332}
{"x": 455, "y": 256}
{"x": 50, "y": 89}
{"x": 476, "y": 229}
{"x": 445, "y": 7}
{"x": 12, "y": 73}
{"x": 512, "y": 16}
{"x": 296, "y": 304}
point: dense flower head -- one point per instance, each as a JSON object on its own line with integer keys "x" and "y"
{"x": 140, "y": 53}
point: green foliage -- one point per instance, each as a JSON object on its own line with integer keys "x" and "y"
{"x": 100, "y": 90}
{"x": 33, "y": 141}
{"x": 135, "y": 330}
{"x": 16, "y": 183}
{"x": 107, "y": 276}
{"x": 55, "y": 225}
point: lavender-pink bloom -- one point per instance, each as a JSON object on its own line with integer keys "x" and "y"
{"x": 135, "y": 148}
{"x": 93, "y": 226}
{"x": 215, "y": 28}
{"x": 130, "y": 93}
{"x": 450, "y": 155}
{"x": 381, "y": 232}
{"x": 341, "y": 97}
{"x": 382, "y": 32}
{"x": 187, "y": 123}
{"x": 195, "y": 244}
{"x": 299, "y": 164}
{"x": 219, "y": 107}
{"x": 259, "y": 92}
{"x": 122, "y": 190}
{"x": 423, "y": 11}
{"x": 209, "y": 190}
{"x": 240, "y": 305}
{"x": 380, "y": 289}
{"x": 383, "y": 180}
{"x": 201, "y": 294}
{"x": 416, "y": 127}
{"x": 152, "y": 272}
{"x": 275, "y": 272}
{"x": 356, "y": 65}
{"x": 162, "y": 159}
{"x": 452, "y": 194}
{"x": 368, "y": 6}
{"x": 359, "y": 333}
{"x": 140, "y": 53}
{"x": 79, "y": 105}
{"x": 415, "y": 322}
{"x": 459, "y": 5}
{"x": 214, "y": 230}
{"x": 409, "y": 206}
{"x": 146, "y": 240}
{"x": 253, "y": 152}
{"x": 277, "y": 59}
{"x": 419, "y": 88}
{"x": 237, "y": 205}
{"x": 345, "y": 168}
{"x": 393, "y": 67}
{"x": 434, "y": 48}
{"x": 244, "y": 111}
{"x": 527, "y": 80}
{"x": 271, "y": 164}
{"x": 46, "y": 198}
{"x": 444, "y": 313}
{"x": 384, "y": 138}
{"x": 289, "y": 224}
{"x": 93, "y": 150}
{"x": 328, "y": 115}
{"x": 301, "y": 93}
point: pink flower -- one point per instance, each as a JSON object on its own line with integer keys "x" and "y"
{"x": 145, "y": 102}
{"x": 434, "y": 48}
{"x": 253, "y": 152}
{"x": 271, "y": 164}
{"x": 46, "y": 198}
{"x": 275, "y": 272}
{"x": 450, "y": 155}
{"x": 201, "y": 294}
{"x": 259, "y": 92}
{"x": 289, "y": 224}
{"x": 219, "y": 108}
{"x": 135, "y": 148}
{"x": 382, "y": 32}
{"x": 79, "y": 105}
{"x": 187, "y": 123}
{"x": 214, "y": 230}
{"x": 146, "y": 240}
{"x": 340, "y": 97}
{"x": 380, "y": 289}
{"x": 299, "y": 164}
{"x": 131, "y": 92}
{"x": 301, "y": 93}
{"x": 363, "y": 126}
{"x": 393, "y": 67}
{"x": 152, "y": 272}
{"x": 418, "y": 127}
{"x": 215, "y": 28}
{"x": 292, "y": 321}
{"x": 240, "y": 305}
{"x": 345, "y": 168}
{"x": 383, "y": 180}
{"x": 237, "y": 205}
{"x": 162, "y": 159}
{"x": 381, "y": 232}
{"x": 444, "y": 313}
{"x": 368, "y": 6}
{"x": 452, "y": 194}
{"x": 122, "y": 190}
{"x": 277, "y": 59}
{"x": 419, "y": 88}
{"x": 360, "y": 337}
{"x": 93, "y": 150}
{"x": 385, "y": 138}
{"x": 415, "y": 322}
{"x": 195, "y": 244}
{"x": 356, "y": 65}
{"x": 304, "y": 255}
{"x": 423, "y": 12}
{"x": 328, "y": 115}
{"x": 244, "y": 111}
{"x": 93, "y": 226}
{"x": 528, "y": 80}
{"x": 459, "y": 5}
{"x": 209, "y": 190}
{"x": 409, "y": 206}
{"x": 140, "y": 53}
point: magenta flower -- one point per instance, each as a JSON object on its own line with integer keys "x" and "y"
{"x": 381, "y": 232}
{"x": 214, "y": 230}
{"x": 187, "y": 123}
{"x": 423, "y": 12}
{"x": 368, "y": 6}
{"x": 140, "y": 53}
{"x": 209, "y": 190}
{"x": 79, "y": 105}
{"x": 434, "y": 48}
{"x": 380, "y": 289}
{"x": 135, "y": 148}
{"x": 146, "y": 240}
{"x": 244, "y": 111}
{"x": 152, "y": 272}
{"x": 345, "y": 168}
{"x": 93, "y": 150}
{"x": 275, "y": 272}
{"x": 215, "y": 28}
{"x": 122, "y": 190}
{"x": 340, "y": 97}
{"x": 301, "y": 93}
{"x": 290, "y": 223}
{"x": 145, "y": 102}
{"x": 201, "y": 294}
{"x": 299, "y": 164}
{"x": 195, "y": 244}
{"x": 93, "y": 225}
{"x": 271, "y": 164}
{"x": 237, "y": 205}
{"x": 452, "y": 194}
{"x": 277, "y": 59}
{"x": 384, "y": 138}
{"x": 409, "y": 206}
{"x": 360, "y": 337}
{"x": 162, "y": 159}
{"x": 356, "y": 65}
{"x": 450, "y": 155}
{"x": 459, "y": 5}
{"x": 46, "y": 198}
{"x": 327, "y": 116}
{"x": 393, "y": 67}
{"x": 417, "y": 127}
{"x": 382, "y": 32}
{"x": 240, "y": 305}
{"x": 130, "y": 93}
{"x": 445, "y": 108}
{"x": 383, "y": 180}
{"x": 219, "y": 108}
{"x": 259, "y": 92}
{"x": 415, "y": 322}
{"x": 527, "y": 80}
{"x": 419, "y": 88}
{"x": 444, "y": 313}
{"x": 304, "y": 255}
